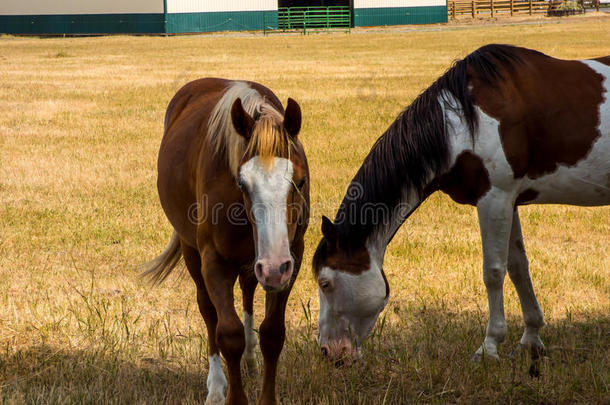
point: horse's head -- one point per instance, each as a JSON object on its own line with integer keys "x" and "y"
{"x": 274, "y": 180}
{"x": 353, "y": 291}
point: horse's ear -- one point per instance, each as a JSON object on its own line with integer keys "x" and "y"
{"x": 329, "y": 230}
{"x": 292, "y": 118}
{"x": 242, "y": 122}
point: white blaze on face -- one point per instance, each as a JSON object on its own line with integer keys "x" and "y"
{"x": 349, "y": 308}
{"x": 268, "y": 188}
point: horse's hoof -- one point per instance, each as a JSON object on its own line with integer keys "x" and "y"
{"x": 536, "y": 351}
{"x": 479, "y": 354}
{"x": 476, "y": 358}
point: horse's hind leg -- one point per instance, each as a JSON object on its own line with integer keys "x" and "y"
{"x": 248, "y": 283}
{"x": 518, "y": 270}
{"x": 216, "y": 382}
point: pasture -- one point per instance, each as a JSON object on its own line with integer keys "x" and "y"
{"x": 80, "y": 127}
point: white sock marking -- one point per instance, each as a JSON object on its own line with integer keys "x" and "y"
{"x": 217, "y": 382}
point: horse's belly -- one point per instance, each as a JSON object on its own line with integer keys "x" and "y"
{"x": 587, "y": 183}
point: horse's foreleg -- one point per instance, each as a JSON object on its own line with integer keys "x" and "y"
{"x": 272, "y": 336}
{"x": 273, "y": 331}
{"x": 216, "y": 381}
{"x": 248, "y": 283}
{"x": 495, "y": 219}
{"x": 219, "y": 279}
{"x": 518, "y": 270}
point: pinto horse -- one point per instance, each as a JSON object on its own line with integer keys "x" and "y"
{"x": 233, "y": 181}
{"x": 504, "y": 127}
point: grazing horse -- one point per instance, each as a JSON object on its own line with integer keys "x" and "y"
{"x": 504, "y": 127}
{"x": 233, "y": 181}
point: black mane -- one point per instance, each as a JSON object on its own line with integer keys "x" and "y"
{"x": 416, "y": 145}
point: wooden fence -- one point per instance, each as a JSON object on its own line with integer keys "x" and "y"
{"x": 592, "y": 4}
{"x": 493, "y": 7}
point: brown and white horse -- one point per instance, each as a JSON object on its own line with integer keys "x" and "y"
{"x": 233, "y": 181}
{"x": 503, "y": 127}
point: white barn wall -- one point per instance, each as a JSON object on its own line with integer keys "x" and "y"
{"x": 46, "y": 7}
{"x": 396, "y": 3}
{"x": 210, "y": 6}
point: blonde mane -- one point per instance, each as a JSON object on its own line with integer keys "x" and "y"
{"x": 268, "y": 139}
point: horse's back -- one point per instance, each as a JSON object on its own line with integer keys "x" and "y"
{"x": 184, "y": 138}
{"x": 585, "y": 180}
{"x": 551, "y": 119}
{"x": 190, "y": 94}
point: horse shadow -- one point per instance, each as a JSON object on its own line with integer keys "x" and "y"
{"x": 421, "y": 353}
{"x": 416, "y": 354}
{"x": 45, "y": 374}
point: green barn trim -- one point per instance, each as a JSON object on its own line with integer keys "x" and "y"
{"x": 221, "y": 21}
{"x": 83, "y": 24}
{"x": 173, "y": 23}
{"x": 367, "y": 17}
{"x": 176, "y": 23}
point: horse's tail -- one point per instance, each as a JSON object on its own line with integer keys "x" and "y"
{"x": 161, "y": 266}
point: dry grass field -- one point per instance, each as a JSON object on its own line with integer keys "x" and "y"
{"x": 80, "y": 126}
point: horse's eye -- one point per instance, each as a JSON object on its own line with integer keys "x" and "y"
{"x": 240, "y": 184}
{"x": 324, "y": 285}
{"x": 301, "y": 183}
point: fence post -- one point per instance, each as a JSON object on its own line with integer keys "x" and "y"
{"x": 492, "y": 8}
{"x": 453, "y": 5}
{"x": 530, "y": 7}
{"x": 596, "y": 5}
{"x": 473, "y": 8}
{"x": 511, "y": 8}
{"x": 289, "y": 20}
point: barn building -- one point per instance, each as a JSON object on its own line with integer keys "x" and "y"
{"x": 189, "y": 16}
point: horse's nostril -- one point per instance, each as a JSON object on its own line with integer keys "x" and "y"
{"x": 258, "y": 269}
{"x": 284, "y": 267}
{"x": 339, "y": 363}
{"x": 324, "y": 351}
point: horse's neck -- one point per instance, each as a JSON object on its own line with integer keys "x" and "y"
{"x": 383, "y": 233}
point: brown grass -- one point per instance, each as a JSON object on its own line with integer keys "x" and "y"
{"x": 79, "y": 131}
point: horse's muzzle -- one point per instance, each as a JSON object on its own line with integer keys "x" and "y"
{"x": 340, "y": 353}
{"x": 274, "y": 275}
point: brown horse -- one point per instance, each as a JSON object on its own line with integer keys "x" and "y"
{"x": 233, "y": 181}
{"x": 504, "y": 127}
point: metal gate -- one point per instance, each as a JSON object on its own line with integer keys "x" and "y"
{"x": 313, "y": 19}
